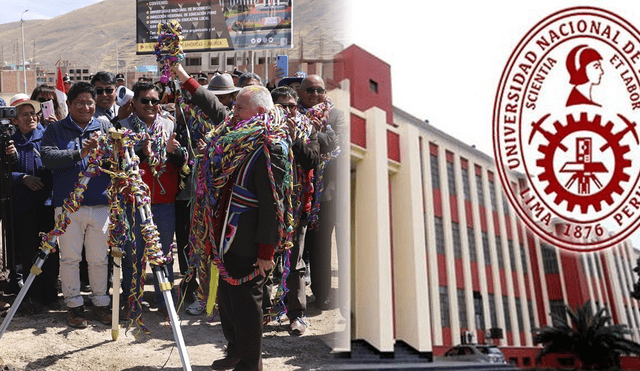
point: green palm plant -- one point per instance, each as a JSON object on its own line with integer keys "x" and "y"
{"x": 590, "y": 338}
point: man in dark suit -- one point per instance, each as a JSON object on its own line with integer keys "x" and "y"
{"x": 253, "y": 244}
{"x": 331, "y": 125}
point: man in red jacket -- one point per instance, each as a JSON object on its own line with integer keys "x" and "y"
{"x": 161, "y": 158}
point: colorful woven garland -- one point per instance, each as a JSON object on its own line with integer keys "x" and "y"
{"x": 127, "y": 188}
{"x": 321, "y": 112}
{"x": 228, "y": 147}
{"x": 169, "y": 38}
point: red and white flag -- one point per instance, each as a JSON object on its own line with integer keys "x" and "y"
{"x": 61, "y": 92}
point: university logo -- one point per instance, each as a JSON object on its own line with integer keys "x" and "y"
{"x": 565, "y": 129}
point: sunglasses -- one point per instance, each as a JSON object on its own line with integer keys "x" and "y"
{"x": 100, "y": 91}
{"x": 146, "y": 101}
{"x": 317, "y": 90}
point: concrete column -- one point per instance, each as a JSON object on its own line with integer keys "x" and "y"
{"x": 477, "y": 229}
{"x": 543, "y": 282}
{"x": 373, "y": 291}
{"x": 495, "y": 266}
{"x": 466, "y": 261}
{"x": 342, "y": 340}
{"x": 432, "y": 254}
{"x": 515, "y": 330}
{"x": 452, "y": 286}
{"x": 614, "y": 278}
{"x": 409, "y": 241}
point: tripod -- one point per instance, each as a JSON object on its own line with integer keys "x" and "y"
{"x": 6, "y": 197}
{"x": 125, "y": 141}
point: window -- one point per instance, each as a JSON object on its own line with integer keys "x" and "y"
{"x": 230, "y": 61}
{"x": 532, "y": 322}
{"x": 444, "y": 307}
{"x": 492, "y": 310}
{"x": 472, "y": 244}
{"x": 439, "y": 235}
{"x": 479, "y": 189}
{"x": 451, "y": 178}
{"x": 435, "y": 172}
{"x": 523, "y": 257}
{"x": 519, "y": 315}
{"x": 512, "y": 255}
{"x": 505, "y": 205}
{"x": 557, "y": 308}
{"x": 466, "y": 187}
{"x": 71, "y": 71}
{"x": 492, "y": 194}
{"x": 549, "y": 259}
{"x": 507, "y": 317}
{"x": 86, "y": 78}
{"x": 479, "y": 310}
{"x": 193, "y": 61}
{"x": 215, "y": 61}
{"x": 373, "y": 86}
{"x": 598, "y": 265}
{"x": 485, "y": 248}
{"x": 261, "y": 60}
{"x": 500, "y": 252}
{"x": 457, "y": 245}
{"x": 85, "y": 71}
{"x": 462, "y": 309}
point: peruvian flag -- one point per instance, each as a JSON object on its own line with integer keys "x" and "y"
{"x": 61, "y": 92}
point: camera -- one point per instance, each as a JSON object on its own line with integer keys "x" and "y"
{"x": 8, "y": 112}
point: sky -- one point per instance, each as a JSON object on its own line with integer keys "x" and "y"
{"x": 447, "y": 57}
{"x": 11, "y": 10}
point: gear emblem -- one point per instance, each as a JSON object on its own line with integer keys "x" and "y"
{"x": 583, "y": 169}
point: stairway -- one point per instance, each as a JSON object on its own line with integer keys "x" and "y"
{"x": 366, "y": 358}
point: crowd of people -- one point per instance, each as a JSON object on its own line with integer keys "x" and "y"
{"x": 48, "y": 154}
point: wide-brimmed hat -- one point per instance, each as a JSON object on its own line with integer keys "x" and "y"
{"x": 222, "y": 84}
{"x": 21, "y": 99}
{"x": 298, "y": 77}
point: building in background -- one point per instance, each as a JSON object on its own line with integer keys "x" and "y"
{"x": 438, "y": 256}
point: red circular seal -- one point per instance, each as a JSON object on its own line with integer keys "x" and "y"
{"x": 565, "y": 124}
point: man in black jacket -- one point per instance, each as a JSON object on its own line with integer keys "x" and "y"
{"x": 253, "y": 245}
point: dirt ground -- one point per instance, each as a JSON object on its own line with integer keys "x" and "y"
{"x": 45, "y": 342}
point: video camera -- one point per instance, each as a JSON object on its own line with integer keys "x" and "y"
{"x": 6, "y": 113}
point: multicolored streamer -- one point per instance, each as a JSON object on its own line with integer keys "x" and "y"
{"x": 169, "y": 38}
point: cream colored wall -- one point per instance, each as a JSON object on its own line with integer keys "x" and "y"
{"x": 373, "y": 291}
{"x": 409, "y": 254}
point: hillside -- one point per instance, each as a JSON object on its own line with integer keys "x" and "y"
{"x": 89, "y": 35}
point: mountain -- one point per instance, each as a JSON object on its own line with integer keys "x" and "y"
{"x": 88, "y": 36}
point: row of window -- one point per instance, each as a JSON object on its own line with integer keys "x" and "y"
{"x": 231, "y": 61}
{"x": 457, "y": 250}
{"x": 445, "y": 320}
{"x": 466, "y": 186}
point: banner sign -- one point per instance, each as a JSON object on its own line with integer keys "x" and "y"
{"x": 217, "y": 25}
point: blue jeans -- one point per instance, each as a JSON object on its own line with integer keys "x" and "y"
{"x": 164, "y": 216}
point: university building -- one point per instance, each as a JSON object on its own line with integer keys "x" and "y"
{"x": 438, "y": 256}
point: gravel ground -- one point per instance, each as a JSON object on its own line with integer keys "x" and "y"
{"x": 45, "y": 342}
